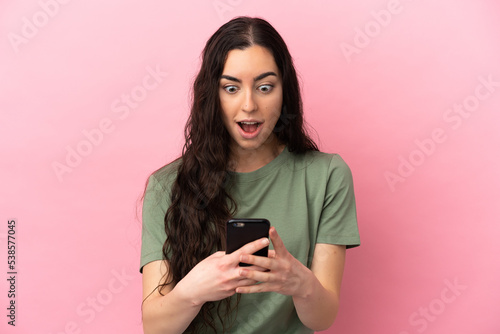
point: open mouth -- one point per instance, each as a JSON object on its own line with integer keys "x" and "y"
{"x": 249, "y": 127}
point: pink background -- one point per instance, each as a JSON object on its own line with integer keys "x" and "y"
{"x": 380, "y": 81}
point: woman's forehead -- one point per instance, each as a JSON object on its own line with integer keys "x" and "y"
{"x": 249, "y": 63}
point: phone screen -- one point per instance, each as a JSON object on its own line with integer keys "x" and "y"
{"x": 239, "y": 232}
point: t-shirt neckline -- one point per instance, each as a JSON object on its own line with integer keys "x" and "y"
{"x": 264, "y": 170}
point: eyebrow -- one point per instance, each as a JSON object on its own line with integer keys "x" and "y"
{"x": 257, "y": 78}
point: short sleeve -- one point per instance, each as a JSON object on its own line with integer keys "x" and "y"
{"x": 155, "y": 205}
{"x": 338, "y": 223}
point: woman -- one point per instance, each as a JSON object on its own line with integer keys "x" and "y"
{"x": 246, "y": 155}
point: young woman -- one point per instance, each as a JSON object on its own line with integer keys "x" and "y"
{"x": 246, "y": 155}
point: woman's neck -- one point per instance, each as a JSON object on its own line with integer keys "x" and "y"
{"x": 245, "y": 161}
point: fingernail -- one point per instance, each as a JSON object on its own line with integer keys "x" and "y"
{"x": 265, "y": 241}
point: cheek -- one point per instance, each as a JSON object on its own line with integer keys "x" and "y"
{"x": 274, "y": 107}
{"x": 226, "y": 119}
{"x": 278, "y": 100}
{"x": 229, "y": 105}
{"x": 226, "y": 108}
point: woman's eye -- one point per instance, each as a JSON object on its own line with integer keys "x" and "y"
{"x": 231, "y": 89}
{"x": 265, "y": 88}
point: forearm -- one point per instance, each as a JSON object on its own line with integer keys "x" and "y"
{"x": 168, "y": 314}
{"x": 316, "y": 307}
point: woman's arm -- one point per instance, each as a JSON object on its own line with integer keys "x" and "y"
{"x": 171, "y": 312}
{"x": 315, "y": 291}
{"x": 212, "y": 279}
{"x": 318, "y": 306}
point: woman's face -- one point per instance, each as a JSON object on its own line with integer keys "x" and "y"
{"x": 251, "y": 96}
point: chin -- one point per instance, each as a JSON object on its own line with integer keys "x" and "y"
{"x": 249, "y": 146}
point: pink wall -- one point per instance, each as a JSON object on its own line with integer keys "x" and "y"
{"x": 398, "y": 88}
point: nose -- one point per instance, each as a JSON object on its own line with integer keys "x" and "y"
{"x": 249, "y": 103}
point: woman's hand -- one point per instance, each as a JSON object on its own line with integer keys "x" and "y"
{"x": 285, "y": 274}
{"x": 217, "y": 276}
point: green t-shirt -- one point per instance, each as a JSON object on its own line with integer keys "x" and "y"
{"x": 309, "y": 198}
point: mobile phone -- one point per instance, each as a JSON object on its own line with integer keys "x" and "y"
{"x": 239, "y": 232}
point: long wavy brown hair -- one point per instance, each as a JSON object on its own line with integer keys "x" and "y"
{"x": 200, "y": 204}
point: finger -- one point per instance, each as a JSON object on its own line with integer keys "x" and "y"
{"x": 256, "y": 268}
{"x": 237, "y": 278}
{"x": 256, "y": 275}
{"x": 246, "y": 282}
{"x": 279, "y": 246}
{"x": 262, "y": 287}
{"x": 271, "y": 253}
{"x": 257, "y": 260}
{"x": 250, "y": 248}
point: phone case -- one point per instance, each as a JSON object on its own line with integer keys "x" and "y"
{"x": 239, "y": 232}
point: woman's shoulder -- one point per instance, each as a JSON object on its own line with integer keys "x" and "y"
{"x": 324, "y": 169}
{"x": 319, "y": 160}
{"x": 164, "y": 176}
